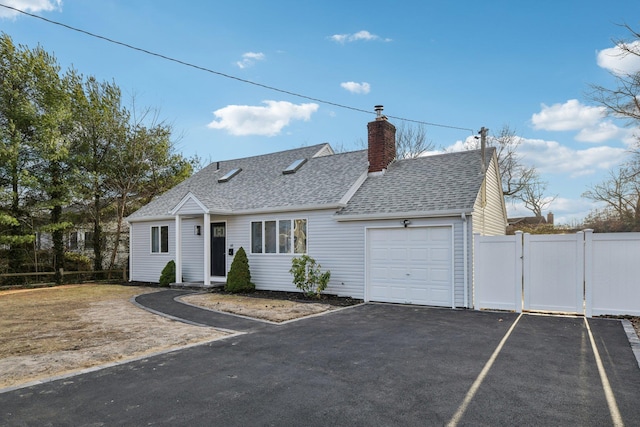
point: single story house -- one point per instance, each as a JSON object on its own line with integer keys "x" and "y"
{"x": 388, "y": 230}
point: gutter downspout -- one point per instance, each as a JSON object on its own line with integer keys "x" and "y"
{"x": 465, "y": 229}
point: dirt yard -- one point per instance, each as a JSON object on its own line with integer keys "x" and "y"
{"x": 52, "y": 331}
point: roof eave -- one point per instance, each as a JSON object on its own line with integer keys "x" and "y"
{"x": 280, "y": 209}
{"x": 150, "y": 218}
{"x": 395, "y": 215}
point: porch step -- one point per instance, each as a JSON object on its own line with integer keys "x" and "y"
{"x": 197, "y": 285}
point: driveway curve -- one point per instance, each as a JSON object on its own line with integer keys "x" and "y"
{"x": 164, "y": 303}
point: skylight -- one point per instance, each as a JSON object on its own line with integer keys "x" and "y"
{"x": 229, "y": 175}
{"x": 293, "y": 167}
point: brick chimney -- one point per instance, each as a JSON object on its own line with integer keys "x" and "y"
{"x": 550, "y": 218}
{"x": 382, "y": 142}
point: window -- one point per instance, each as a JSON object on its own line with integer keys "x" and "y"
{"x": 293, "y": 167}
{"x": 88, "y": 240}
{"x": 285, "y": 236}
{"x": 270, "y": 237}
{"x": 300, "y": 236}
{"x": 230, "y": 174}
{"x": 73, "y": 240}
{"x": 160, "y": 239}
{"x": 256, "y": 237}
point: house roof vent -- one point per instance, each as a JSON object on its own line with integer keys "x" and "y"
{"x": 293, "y": 167}
{"x": 229, "y": 175}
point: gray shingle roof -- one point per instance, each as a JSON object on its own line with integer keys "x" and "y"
{"x": 321, "y": 181}
{"x": 444, "y": 182}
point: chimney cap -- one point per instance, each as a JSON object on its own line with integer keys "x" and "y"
{"x": 379, "y": 115}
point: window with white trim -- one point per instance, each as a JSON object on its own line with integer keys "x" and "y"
{"x": 285, "y": 236}
{"x": 160, "y": 239}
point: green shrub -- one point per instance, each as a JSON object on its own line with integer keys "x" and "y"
{"x": 168, "y": 274}
{"x": 239, "y": 276}
{"x": 76, "y": 262}
{"x": 307, "y": 276}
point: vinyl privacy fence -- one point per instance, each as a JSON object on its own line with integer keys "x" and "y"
{"x": 583, "y": 273}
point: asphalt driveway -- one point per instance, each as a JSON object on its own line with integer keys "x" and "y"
{"x": 370, "y": 365}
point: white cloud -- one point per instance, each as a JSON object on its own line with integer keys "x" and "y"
{"x": 250, "y": 58}
{"x": 360, "y": 35}
{"x": 571, "y": 115}
{"x": 31, "y": 6}
{"x": 550, "y": 157}
{"x": 618, "y": 61}
{"x": 268, "y": 120}
{"x": 604, "y": 131}
{"x": 360, "y": 88}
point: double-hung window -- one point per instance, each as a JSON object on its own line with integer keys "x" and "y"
{"x": 285, "y": 236}
{"x": 160, "y": 239}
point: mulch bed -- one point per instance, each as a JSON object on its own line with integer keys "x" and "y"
{"x": 333, "y": 300}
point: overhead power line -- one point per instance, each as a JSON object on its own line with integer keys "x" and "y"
{"x": 218, "y": 73}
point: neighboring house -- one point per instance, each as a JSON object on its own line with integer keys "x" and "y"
{"x": 388, "y": 230}
{"x": 530, "y": 221}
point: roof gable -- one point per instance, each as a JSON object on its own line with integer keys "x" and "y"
{"x": 189, "y": 205}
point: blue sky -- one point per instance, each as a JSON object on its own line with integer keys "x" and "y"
{"x": 464, "y": 64}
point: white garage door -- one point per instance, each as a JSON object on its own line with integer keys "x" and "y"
{"x": 410, "y": 265}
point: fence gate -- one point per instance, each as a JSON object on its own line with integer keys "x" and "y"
{"x": 582, "y": 273}
{"x": 553, "y": 273}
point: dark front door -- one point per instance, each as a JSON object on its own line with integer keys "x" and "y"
{"x": 218, "y": 249}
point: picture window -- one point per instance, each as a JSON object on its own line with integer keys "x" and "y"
{"x": 284, "y": 236}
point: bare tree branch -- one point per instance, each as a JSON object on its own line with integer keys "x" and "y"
{"x": 412, "y": 142}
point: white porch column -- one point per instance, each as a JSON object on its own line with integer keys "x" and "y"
{"x": 178, "y": 249}
{"x": 207, "y": 248}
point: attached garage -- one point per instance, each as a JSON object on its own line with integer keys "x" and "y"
{"x": 410, "y": 265}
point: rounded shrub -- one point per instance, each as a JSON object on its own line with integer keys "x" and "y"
{"x": 239, "y": 276}
{"x": 168, "y": 274}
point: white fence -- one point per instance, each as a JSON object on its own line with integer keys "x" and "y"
{"x": 583, "y": 273}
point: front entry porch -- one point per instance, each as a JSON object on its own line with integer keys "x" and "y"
{"x": 201, "y": 246}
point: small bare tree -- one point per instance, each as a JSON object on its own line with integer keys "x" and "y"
{"x": 620, "y": 193}
{"x": 516, "y": 176}
{"x": 412, "y": 142}
{"x": 534, "y": 197}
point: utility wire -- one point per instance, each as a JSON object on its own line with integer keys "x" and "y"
{"x": 208, "y": 70}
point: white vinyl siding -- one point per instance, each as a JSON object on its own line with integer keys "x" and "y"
{"x": 190, "y": 207}
{"x": 192, "y": 250}
{"x": 489, "y": 215}
{"x": 147, "y": 266}
{"x": 336, "y": 246}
